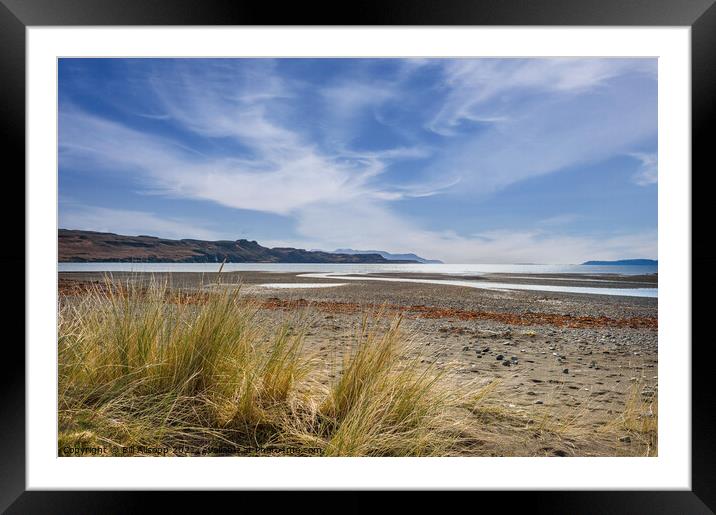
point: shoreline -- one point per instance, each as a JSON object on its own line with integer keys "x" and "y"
{"x": 567, "y": 283}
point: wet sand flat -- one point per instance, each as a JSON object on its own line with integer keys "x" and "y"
{"x": 569, "y": 280}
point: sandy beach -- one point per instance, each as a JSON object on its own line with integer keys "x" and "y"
{"x": 568, "y": 362}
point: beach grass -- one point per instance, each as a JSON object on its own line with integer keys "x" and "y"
{"x": 146, "y": 369}
{"x": 142, "y": 368}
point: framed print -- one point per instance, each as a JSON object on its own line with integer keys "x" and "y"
{"x": 417, "y": 249}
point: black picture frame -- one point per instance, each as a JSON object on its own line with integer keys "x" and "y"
{"x": 700, "y": 15}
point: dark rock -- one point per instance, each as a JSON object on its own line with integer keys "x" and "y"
{"x": 499, "y": 357}
{"x": 565, "y": 371}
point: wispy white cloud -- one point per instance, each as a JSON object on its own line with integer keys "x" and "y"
{"x": 224, "y": 100}
{"x": 338, "y": 195}
{"x": 477, "y": 88}
{"x": 350, "y": 98}
{"x": 283, "y": 171}
{"x": 648, "y": 172}
{"x": 558, "y": 220}
{"x": 539, "y": 131}
{"x": 371, "y": 225}
{"x": 271, "y": 185}
{"x": 400, "y": 192}
{"x": 134, "y": 223}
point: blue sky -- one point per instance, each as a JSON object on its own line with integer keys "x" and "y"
{"x": 464, "y": 160}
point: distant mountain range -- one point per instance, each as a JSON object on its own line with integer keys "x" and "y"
{"x": 90, "y": 246}
{"x": 625, "y": 262}
{"x": 388, "y": 255}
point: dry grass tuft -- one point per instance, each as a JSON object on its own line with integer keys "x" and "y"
{"x": 140, "y": 368}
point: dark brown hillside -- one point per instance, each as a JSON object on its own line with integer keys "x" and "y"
{"x": 89, "y": 246}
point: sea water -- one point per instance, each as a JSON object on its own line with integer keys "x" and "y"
{"x": 341, "y": 272}
{"x": 360, "y": 268}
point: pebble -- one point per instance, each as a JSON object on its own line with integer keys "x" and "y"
{"x": 565, "y": 371}
{"x": 499, "y": 357}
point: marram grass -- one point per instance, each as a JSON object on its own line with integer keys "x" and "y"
{"x": 139, "y": 368}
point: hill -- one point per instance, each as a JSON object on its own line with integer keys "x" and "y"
{"x": 625, "y": 262}
{"x": 90, "y": 246}
{"x": 389, "y": 256}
